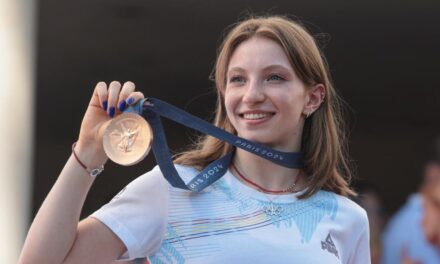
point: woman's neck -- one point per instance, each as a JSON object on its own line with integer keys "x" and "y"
{"x": 266, "y": 173}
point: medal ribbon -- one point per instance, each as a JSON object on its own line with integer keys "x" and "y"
{"x": 153, "y": 109}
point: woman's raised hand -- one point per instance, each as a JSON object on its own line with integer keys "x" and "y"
{"x": 106, "y": 103}
{"x": 55, "y": 235}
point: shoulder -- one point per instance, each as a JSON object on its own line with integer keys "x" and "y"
{"x": 349, "y": 212}
{"x": 155, "y": 177}
{"x": 186, "y": 172}
{"x": 352, "y": 222}
{"x": 138, "y": 213}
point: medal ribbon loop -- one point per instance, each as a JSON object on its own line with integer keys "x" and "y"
{"x": 153, "y": 109}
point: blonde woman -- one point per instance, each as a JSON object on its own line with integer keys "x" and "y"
{"x": 273, "y": 88}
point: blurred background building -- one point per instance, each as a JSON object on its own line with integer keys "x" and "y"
{"x": 383, "y": 55}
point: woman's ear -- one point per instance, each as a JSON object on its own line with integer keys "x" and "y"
{"x": 315, "y": 96}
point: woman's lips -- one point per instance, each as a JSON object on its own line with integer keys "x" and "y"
{"x": 256, "y": 117}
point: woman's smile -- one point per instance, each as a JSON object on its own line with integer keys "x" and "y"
{"x": 256, "y": 117}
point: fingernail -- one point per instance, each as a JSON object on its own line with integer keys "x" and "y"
{"x": 111, "y": 112}
{"x": 104, "y": 105}
{"x": 121, "y": 106}
{"x": 130, "y": 100}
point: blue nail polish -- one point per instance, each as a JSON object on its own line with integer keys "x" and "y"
{"x": 111, "y": 112}
{"x": 104, "y": 105}
{"x": 121, "y": 106}
{"x": 130, "y": 100}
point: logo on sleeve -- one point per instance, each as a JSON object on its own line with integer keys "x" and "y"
{"x": 329, "y": 245}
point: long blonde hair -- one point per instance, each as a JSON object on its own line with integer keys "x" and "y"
{"x": 323, "y": 138}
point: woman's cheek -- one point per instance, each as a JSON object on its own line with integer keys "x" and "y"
{"x": 230, "y": 105}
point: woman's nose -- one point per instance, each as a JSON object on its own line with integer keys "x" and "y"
{"x": 254, "y": 93}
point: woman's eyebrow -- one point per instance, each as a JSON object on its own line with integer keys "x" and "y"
{"x": 235, "y": 69}
{"x": 267, "y": 68}
{"x": 276, "y": 67}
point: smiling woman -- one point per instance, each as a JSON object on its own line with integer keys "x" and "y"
{"x": 278, "y": 57}
{"x": 271, "y": 83}
{"x": 263, "y": 93}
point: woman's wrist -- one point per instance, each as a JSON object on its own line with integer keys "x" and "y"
{"x": 91, "y": 156}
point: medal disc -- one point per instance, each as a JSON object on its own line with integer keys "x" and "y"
{"x": 127, "y": 139}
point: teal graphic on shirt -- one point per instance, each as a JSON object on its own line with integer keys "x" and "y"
{"x": 199, "y": 222}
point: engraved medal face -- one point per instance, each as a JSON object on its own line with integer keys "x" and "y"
{"x": 127, "y": 139}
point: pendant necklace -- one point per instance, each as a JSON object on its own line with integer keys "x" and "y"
{"x": 272, "y": 209}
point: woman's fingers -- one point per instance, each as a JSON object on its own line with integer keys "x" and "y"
{"x": 134, "y": 97}
{"x": 127, "y": 89}
{"x": 99, "y": 98}
{"x": 113, "y": 96}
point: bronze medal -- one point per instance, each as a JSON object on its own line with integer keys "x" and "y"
{"x": 127, "y": 139}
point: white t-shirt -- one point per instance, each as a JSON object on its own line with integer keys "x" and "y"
{"x": 227, "y": 223}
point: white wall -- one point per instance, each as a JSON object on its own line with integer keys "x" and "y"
{"x": 17, "y": 45}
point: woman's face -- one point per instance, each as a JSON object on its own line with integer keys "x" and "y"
{"x": 264, "y": 98}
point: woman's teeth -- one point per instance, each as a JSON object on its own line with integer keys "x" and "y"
{"x": 254, "y": 116}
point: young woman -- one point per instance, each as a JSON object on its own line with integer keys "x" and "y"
{"x": 274, "y": 88}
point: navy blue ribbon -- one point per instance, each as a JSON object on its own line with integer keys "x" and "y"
{"x": 153, "y": 109}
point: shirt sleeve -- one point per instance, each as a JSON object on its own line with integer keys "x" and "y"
{"x": 361, "y": 250}
{"x": 354, "y": 225}
{"x": 137, "y": 214}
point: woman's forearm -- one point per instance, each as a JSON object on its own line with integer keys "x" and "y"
{"x": 53, "y": 230}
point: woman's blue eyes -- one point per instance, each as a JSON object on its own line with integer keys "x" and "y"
{"x": 236, "y": 79}
{"x": 273, "y": 77}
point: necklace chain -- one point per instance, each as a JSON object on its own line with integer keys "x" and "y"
{"x": 264, "y": 190}
{"x": 271, "y": 209}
